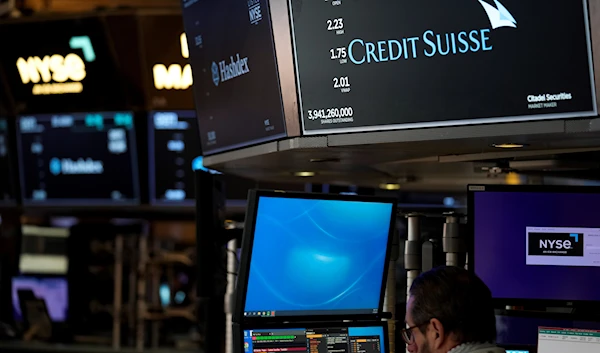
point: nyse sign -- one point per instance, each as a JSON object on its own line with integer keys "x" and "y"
{"x": 55, "y": 74}
{"x": 175, "y": 76}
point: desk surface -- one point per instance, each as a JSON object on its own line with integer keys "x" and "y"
{"x": 39, "y": 347}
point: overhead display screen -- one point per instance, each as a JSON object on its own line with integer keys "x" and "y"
{"x": 78, "y": 159}
{"x": 61, "y": 65}
{"x": 237, "y": 91}
{"x": 174, "y": 150}
{"x": 7, "y": 194}
{"x": 427, "y": 63}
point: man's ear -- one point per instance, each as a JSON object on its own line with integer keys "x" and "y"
{"x": 438, "y": 334}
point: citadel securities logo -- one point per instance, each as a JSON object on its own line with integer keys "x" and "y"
{"x": 430, "y": 43}
{"x": 81, "y": 166}
{"x": 225, "y": 71}
{"x": 556, "y": 244}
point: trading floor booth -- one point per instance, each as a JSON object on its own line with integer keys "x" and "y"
{"x": 538, "y": 250}
{"x": 312, "y": 273}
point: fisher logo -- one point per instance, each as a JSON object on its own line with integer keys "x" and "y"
{"x": 430, "y": 43}
{"x": 226, "y": 71}
{"x": 81, "y": 166}
{"x": 556, "y": 244}
{"x": 215, "y": 74}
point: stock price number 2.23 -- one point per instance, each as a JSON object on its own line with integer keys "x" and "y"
{"x": 330, "y": 113}
{"x": 337, "y": 25}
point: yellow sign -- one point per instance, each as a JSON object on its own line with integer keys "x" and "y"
{"x": 175, "y": 76}
{"x": 50, "y": 74}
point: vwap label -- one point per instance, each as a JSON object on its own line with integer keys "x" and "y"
{"x": 431, "y": 44}
{"x": 67, "y": 166}
{"x": 556, "y": 244}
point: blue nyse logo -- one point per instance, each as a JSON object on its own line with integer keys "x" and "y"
{"x": 215, "y": 74}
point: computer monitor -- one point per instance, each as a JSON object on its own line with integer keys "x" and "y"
{"x": 53, "y": 290}
{"x": 338, "y": 337}
{"x": 314, "y": 255}
{"x": 536, "y": 243}
{"x": 78, "y": 159}
{"x": 560, "y": 340}
{"x": 174, "y": 146}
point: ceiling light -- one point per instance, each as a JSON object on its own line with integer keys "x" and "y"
{"x": 509, "y": 145}
{"x": 304, "y": 174}
{"x": 389, "y": 186}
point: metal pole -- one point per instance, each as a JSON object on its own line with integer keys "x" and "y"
{"x": 118, "y": 293}
{"x": 454, "y": 244}
{"x": 141, "y": 291}
{"x": 412, "y": 251}
{"x": 232, "y": 269}
{"x": 389, "y": 302}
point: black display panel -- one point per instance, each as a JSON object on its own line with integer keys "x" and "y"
{"x": 7, "y": 191}
{"x": 61, "y": 66}
{"x": 409, "y": 64}
{"x": 237, "y": 91}
{"x": 78, "y": 159}
{"x": 175, "y": 152}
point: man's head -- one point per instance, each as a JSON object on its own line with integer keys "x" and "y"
{"x": 448, "y": 306}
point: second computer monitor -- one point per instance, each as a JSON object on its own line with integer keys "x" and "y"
{"x": 314, "y": 255}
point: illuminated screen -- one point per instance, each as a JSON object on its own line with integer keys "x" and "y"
{"x": 54, "y": 291}
{"x": 84, "y": 158}
{"x": 317, "y": 257}
{"x": 328, "y": 339}
{"x": 533, "y": 238}
{"x": 174, "y": 149}
{"x": 7, "y": 194}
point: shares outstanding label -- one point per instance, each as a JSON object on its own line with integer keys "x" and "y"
{"x": 386, "y": 64}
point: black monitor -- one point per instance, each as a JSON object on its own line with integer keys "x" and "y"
{"x": 314, "y": 255}
{"x": 314, "y": 337}
{"x": 537, "y": 243}
{"x": 174, "y": 154}
{"x": 7, "y": 191}
{"x": 78, "y": 159}
{"x": 237, "y": 87}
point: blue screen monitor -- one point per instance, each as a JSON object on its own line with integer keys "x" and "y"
{"x": 370, "y": 338}
{"x": 314, "y": 255}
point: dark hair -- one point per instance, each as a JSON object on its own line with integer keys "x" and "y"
{"x": 459, "y": 299}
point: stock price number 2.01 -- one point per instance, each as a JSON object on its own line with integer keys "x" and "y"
{"x": 340, "y": 54}
{"x": 330, "y": 113}
{"x": 342, "y": 83}
{"x": 336, "y": 24}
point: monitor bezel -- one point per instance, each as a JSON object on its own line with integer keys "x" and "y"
{"x": 81, "y": 203}
{"x": 246, "y": 257}
{"x": 478, "y": 188}
{"x": 239, "y": 329}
